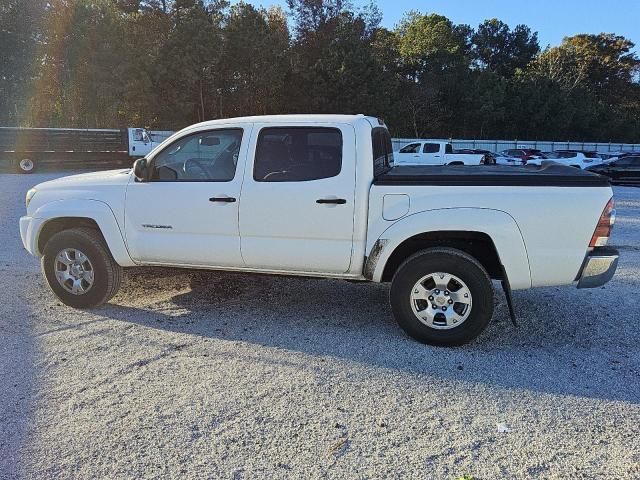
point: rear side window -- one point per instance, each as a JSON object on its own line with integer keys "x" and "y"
{"x": 297, "y": 154}
{"x": 431, "y": 148}
{"x": 411, "y": 148}
{"x": 382, "y": 150}
{"x": 448, "y": 148}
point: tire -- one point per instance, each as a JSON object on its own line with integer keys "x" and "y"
{"x": 106, "y": 273}
{"x": 472, "y": 314}
{"x": 24, "y": 165}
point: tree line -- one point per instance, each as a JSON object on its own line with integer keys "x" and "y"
{"x": 169, "y": 63}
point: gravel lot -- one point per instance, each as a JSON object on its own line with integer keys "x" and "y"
{"x": 213, "y": 375}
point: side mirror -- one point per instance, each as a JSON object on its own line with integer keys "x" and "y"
{"x": 140, "y": 169}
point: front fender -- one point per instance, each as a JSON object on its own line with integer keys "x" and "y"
{"x": 96, "y": 210}
{"x": 498, "y": 225}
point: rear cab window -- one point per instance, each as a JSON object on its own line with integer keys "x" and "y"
{"x": 382, "y": 150}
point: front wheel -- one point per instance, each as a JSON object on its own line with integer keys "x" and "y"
{"x": 442, "y": 296}
{"x": 80, "y": 269}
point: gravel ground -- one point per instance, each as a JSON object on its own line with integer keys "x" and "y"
{"x": 213, "y": 375}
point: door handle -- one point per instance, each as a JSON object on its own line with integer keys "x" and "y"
{"x": 222, "y": 199}
{"x": 335, "y": 201}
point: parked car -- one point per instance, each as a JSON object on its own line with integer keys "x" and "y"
{"x": 318, "y": 196}
{"x": 502, "y": 159}
{"x": 572, "y": 158}
{"x": 606, "y": 156}
{"x": 620, "y": 170}
{"x": 437, "y": 153}
{"x": 524, "y": 154}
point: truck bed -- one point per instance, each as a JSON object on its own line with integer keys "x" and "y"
{"x": 548, "y": 174}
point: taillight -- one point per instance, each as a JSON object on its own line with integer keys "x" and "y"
{"x": 605, "y": 224}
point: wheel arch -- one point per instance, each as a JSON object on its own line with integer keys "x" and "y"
{"x": 62, "y": 215}
{"x": 490, "y": 236}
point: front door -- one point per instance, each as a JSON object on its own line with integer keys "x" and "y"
{"x": 187, "y": 213}
{"x": 409, "y": 155}
{"x": 297, "y": 206}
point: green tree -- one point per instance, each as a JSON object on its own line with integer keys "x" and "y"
{"x": 254, "y": 61}
{"x": 81, "y": 81}
{"x": 20, "y": 37}
{"x": 186, "y": 67}
{"x": 502, "y": 50}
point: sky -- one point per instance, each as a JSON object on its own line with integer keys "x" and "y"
{"x": 552, "y": 19}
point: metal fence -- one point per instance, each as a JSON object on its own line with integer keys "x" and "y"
{"x": 499, "y": 145}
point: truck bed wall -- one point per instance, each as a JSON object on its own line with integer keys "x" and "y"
{"x": 49, "y": 140}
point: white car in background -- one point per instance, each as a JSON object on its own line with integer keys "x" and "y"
{"x": 612, "y": 156}
{"x": 504, "y": 159}
{"x": 433, "y": 152}
{"x": 572, "y": 158}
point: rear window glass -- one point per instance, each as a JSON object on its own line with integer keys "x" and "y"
{"x": 291, "y": 154}
{"x": 382, "y": 150}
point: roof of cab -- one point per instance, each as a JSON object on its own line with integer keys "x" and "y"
{"x": 298, "y": 118}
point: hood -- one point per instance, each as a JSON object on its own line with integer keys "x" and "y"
{"x": 108, "y": 177}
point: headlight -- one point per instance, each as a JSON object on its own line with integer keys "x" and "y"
{"x": 30, "y": 194}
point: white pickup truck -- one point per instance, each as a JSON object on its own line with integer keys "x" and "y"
{"x": 317, "y": 195}
{"x": 433, "y": 152}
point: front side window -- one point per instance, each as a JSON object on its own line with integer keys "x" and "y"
{"x": 204, "y": 156}
{"x": 297, "y": 154}
{"x": 411, "y": 148}
{"x": 431, "y": 148}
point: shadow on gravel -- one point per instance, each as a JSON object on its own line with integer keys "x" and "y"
{"x": 564, "y": 343}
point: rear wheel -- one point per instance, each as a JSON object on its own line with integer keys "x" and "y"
{"x": 80, "y": 269}
{"x": 24, "y": 165}
{"x": 442, "y": 296}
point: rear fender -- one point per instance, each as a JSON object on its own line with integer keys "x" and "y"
{"x": 498, "y": 225}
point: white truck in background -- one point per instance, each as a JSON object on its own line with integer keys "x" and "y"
{"x": 319, "y": 195}
{"x": 433, "y": 152}
{"x": 24, "y": 149}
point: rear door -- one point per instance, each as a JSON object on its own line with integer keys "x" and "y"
{"x": 431, "y": 154}
{"x": 297, "y": 201}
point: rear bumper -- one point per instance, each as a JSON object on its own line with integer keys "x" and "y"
{"x": 598, "y": 268}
